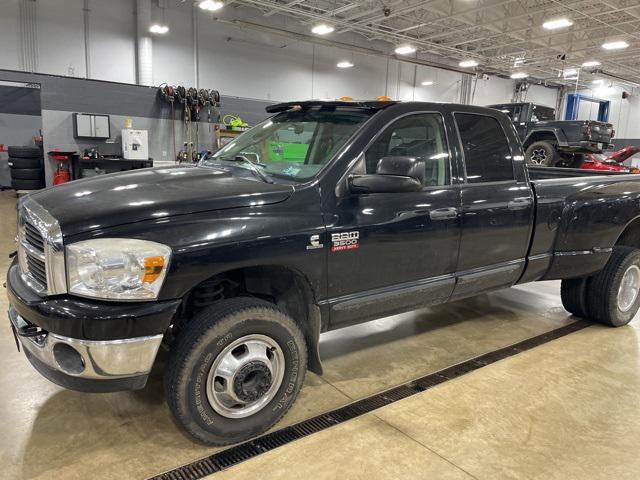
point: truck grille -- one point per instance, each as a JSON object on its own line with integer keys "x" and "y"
{"x": 32, "y": 256}
{"x": 40, "y": 249}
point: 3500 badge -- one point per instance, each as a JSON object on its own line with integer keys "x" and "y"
{"x": 345, "y": 241}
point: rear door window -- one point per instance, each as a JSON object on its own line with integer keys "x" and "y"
{"x": 487, "y": 155}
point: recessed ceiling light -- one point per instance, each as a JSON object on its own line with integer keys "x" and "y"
{"x": 468, "y": 63}
{"x": 405, "y": 49}
{"x": 427, "y": 83}
{"x": 322, "y": 29}
{"x": 558, "y": 23}
{"x": 569, "y": 72}
{"x": 344, "y": 64}
{"x": 157, "y": 28}
{"x": 211, "y": 5}
{"x": 591, "y": 63}
{"x": 517, "y": 75}
{"x": 615, "y": 45}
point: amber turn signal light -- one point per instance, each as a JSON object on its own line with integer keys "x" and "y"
{"x": 152, "y": 268}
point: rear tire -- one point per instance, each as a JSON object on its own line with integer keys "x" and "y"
{"x": 573, "y": 292}
{"x": 218, "y": 382}
{"x": 614, "y": 292}
{"x": 542, "y": 154}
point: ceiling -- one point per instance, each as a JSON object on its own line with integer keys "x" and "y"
{"x": 495, "y": 33}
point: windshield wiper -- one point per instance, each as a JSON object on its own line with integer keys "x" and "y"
{"x": 253, "y": 167}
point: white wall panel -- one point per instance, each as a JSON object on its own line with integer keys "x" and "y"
{"x": 542, "y": 95}
{"x": 112, "y": 40}
{"x": 173, "y": 52}
{"x": 492, "y": 91}
{"x": 10, "y": 35}
{"x": 61, "y": 37}
{"x": 249, "y": 64}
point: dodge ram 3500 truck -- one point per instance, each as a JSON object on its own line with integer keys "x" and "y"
{"x": 238, "y": 264}
{"x": 550, "y": 142}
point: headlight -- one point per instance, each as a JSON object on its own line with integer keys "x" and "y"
{"x": 117, "y": 268}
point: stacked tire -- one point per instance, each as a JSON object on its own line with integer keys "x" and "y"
{"x": 26, "y": 165}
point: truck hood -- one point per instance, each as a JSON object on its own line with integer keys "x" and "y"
{"x": 116, "y": 199}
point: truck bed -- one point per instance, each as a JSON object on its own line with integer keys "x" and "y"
{"x": 580, "y": 215}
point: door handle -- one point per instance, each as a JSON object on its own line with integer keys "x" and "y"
{"x": 519, "y": 204}
{"x": 443, "y": 213}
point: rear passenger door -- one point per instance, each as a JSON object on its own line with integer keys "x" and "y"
{"x": 497, "y": 207}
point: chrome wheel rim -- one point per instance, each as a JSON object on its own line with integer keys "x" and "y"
{"x": 538, "y": 156}
{"x": 245, "y": 376}
{"x": 629, "y": 288}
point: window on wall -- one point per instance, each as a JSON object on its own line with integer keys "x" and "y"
{"x": 487, "y": 155}
{"x": 421, "y": 136}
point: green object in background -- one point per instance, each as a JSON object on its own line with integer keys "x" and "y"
{"x": 288, "y": 152}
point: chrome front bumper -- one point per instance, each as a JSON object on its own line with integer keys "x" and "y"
{"x": 86, "y": 359}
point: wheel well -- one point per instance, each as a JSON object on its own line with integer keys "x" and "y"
{"x": 630, "y": 235}
{"x": 286, "y": 288}
{"x": 539, "y": 136}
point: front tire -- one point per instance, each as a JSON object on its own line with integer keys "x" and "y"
{"x": 614, "y": 292}
{"x": 542, "y": 154}
{"x": 235, "y": 370}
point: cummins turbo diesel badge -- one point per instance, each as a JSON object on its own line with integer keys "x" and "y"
{"x": 345, "y": 241}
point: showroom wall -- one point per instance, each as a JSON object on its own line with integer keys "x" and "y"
{"x": 237, "y": 61}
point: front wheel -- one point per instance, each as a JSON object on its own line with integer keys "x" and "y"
{"x": 235, "y": 370}
{"x": 614, "y": 292}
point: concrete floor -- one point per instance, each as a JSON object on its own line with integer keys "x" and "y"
{"x": 567, "y": 409}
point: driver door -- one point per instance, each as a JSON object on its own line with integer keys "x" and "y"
{"x": 391, "y": 252}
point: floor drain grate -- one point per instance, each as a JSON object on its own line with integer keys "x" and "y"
{"x": 245, "y": 451}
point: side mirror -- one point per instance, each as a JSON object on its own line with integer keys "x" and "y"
{"x": 393, "y": 175}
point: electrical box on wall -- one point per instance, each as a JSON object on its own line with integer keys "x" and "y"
{"x": 135, "y": 144}
{"x": 90, "y": 125}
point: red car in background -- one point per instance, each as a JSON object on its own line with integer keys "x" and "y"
{"x": 612, "y": 162}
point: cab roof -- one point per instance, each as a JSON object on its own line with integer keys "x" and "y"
{"x": 306, "y": 104}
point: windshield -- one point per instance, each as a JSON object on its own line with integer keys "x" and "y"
{"x": 293, "y": 145}
{"x": 513, "y": 111}
{"x": 541, "y": 113}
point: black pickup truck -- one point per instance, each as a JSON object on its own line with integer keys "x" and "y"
{"x": 325, "y": 215}
{"x": 550, "y": 142}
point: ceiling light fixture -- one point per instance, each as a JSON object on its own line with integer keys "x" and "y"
{"x": 591, "y": 63}
{"x": 344, "y": 64}
{"x": 211, "y": 5}
{"x": 569, "y": 72}
{"x": 157, "y": 28}
{"x": 405, "y": 49}
{"x": 427, "y": 83}
{"x": 468, "y": 63}
{"x": 615, "y": 45}
{"x": 518, "y": 75}
{"x": 597, "y": 82}
{"x": 322, "y": 29}
{"x": 558, "y": 23}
